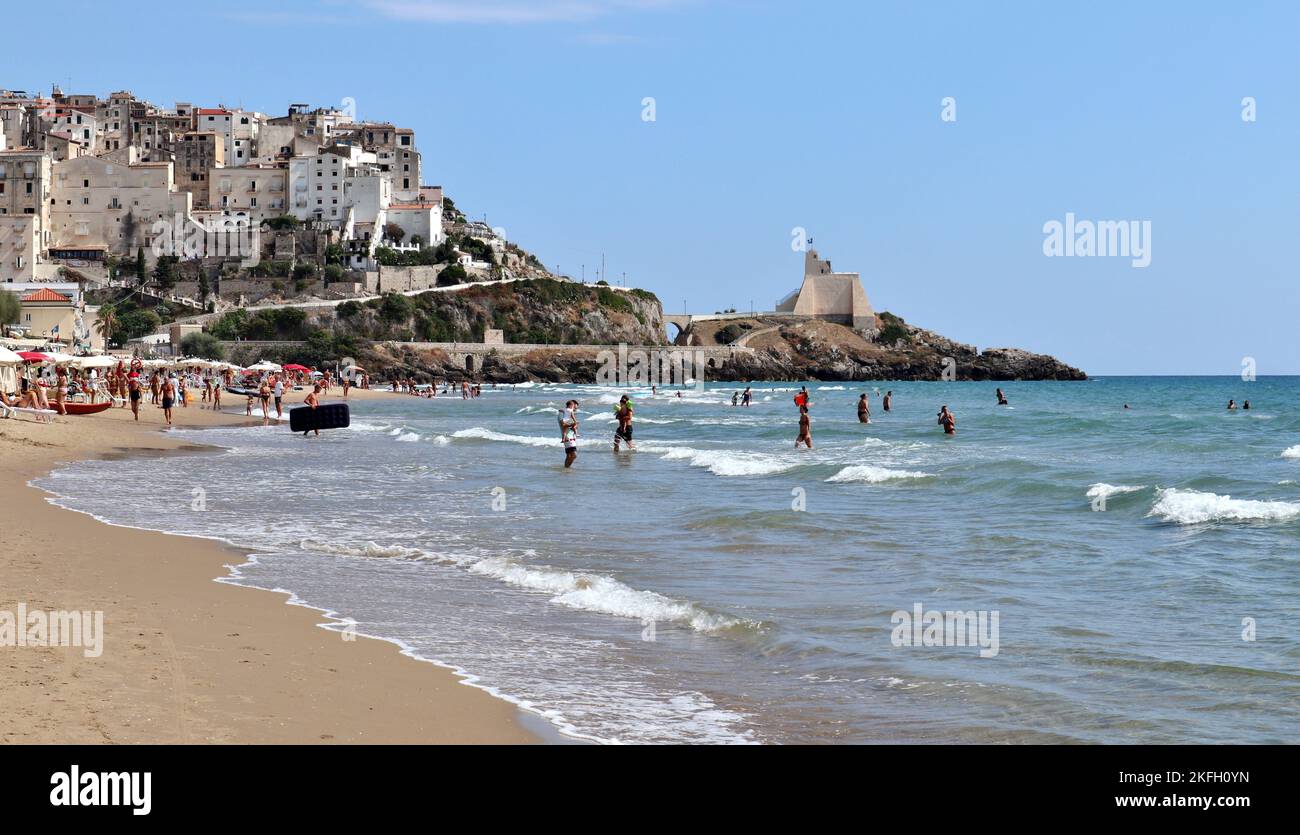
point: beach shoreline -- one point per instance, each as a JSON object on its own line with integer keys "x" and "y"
{"x": 187, "y": 657}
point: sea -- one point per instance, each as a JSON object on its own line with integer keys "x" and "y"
{"x": 1109, "y": 561}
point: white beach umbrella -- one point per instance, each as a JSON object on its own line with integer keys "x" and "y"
{"x": 265, "y": 365}
{"x": 55, "y": 358}
{"x": 8, "y": 357}
{"x": 97, "y": 362}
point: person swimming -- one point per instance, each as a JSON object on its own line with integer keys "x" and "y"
{"x": 1232, "y": 405}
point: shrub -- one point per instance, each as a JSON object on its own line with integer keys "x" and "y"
{"x": 395, "y": 308}
{"x": 893, "y": 329}
{"x": 729, "y": 334}
{"x": 203, "y": 345}
{"x": 282, "y": 222}
{"x": 455, "y": 274}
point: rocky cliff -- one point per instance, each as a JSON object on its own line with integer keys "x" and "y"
{"x": 391, "y": 335}
{"x": 789, "y": 348}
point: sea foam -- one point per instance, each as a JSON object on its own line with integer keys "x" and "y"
{"x": 874, "y": 475}
{"x": 1193, "y": 507}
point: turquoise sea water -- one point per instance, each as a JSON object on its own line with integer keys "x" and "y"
{"x": 718, "y": 585}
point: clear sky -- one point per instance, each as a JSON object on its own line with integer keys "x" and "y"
{"x": 821, "y": 115}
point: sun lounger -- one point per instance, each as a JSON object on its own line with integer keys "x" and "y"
{"x": 40, "y": 415}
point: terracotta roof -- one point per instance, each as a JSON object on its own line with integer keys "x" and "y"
{"x": 45, "y": 295}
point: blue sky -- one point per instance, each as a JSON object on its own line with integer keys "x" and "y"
{"x": 821, "y": 115}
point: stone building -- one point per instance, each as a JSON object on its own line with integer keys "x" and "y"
{"x": 825, "y": 294}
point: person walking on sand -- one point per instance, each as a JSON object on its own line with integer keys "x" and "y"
{"x": 947, "y": 421}
{"x": 568, "y": 419}
{"x": 134, "y": 393}
{"x": 216, "y": 394}
{"x": 864, "y": 410}
{"x": 623, "y": 412}
{"x": 264, "y": 395}
{"x": 60, "y": 389}
{"x": 889, "y": 400}
{"x": 155, "y": 386}
{"x": 168, "y": 399}
{"x": 805, "y": 428}
{"x": 1002, "y": 398}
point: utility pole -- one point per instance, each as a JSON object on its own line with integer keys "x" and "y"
{"x": 602, "y": 266}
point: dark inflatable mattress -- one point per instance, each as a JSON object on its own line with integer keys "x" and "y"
{"x": 328, "y": 416}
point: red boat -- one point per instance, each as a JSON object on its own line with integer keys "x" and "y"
{"x": 84, "y": 408}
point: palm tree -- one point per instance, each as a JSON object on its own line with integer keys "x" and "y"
{"x": 107, "y": 323}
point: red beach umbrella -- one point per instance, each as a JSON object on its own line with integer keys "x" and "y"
{"x": 33, "y": 356}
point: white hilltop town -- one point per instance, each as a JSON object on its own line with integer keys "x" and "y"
{"x": 202, "y": 210}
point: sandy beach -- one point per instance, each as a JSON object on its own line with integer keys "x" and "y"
{"x": 186, "y": 659}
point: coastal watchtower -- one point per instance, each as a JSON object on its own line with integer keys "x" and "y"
{"x": 825, "y": 294}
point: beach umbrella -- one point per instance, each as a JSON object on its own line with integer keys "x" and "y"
{"x": 293, "y": 366}
{"x": 264, "y": 365}
{"x": 97, "y": 362}
{"x": 8, "y": 357}
{"x": 352, "y": 368}
{"x": 33, "y": 356}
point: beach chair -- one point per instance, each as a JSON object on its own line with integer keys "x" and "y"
{"x": 38, "y": 415}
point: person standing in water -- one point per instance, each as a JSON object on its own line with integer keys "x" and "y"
{"x": 313, "y": 400}
{"x": 1232, "y": 405}
{"x": 889, "y": 400}
{"x": 623, "y": 412}
{"x": 1002, "y": 398}
{"x": 864, "y": 410}
{"x": 746, "y": 397}
{"x": 568, "y": 419}
{"x": 278, "y": 392}
{"x": 735, "y": 398}
{"x": 805, "y": 428}
{"x": 947, "y": 421}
